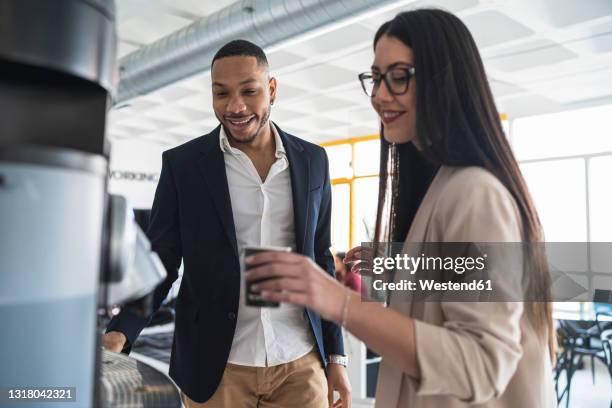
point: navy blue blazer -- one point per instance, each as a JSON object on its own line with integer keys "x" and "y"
{"x": 192, "y": 220}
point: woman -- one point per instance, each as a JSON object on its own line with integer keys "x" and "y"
{"x": 453, "y": 179}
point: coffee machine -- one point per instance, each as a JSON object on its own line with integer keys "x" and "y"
{"x": 67, "y": 249}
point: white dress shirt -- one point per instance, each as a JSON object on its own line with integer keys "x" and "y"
{"x": 263, "y": 215}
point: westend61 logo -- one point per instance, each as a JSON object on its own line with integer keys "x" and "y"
{"x": 411, "y": 264}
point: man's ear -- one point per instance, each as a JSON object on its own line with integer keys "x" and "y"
{"x": 272, "y": 87}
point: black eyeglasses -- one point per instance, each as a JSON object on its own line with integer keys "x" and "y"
{"x": 396, "y": 79}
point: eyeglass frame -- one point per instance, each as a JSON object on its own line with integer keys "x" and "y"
{"x": 383, "y": 77}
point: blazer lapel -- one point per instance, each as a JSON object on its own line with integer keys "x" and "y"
{"x": 212, "y": 166}
{"x": 299, "y": 167}
{"x": 417, "y": 235}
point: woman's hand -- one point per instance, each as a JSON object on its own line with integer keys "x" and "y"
{"x": 294, "y": 278}
{"x": 360, "y": 260}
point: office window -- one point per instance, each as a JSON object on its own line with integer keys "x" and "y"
{"x": 364, "y": 209}
{"x": 570, "y": 133}
{"x": 600, "y": 212}
{"x": 340, "y": 157}
{"x": 341, "y": 204}
{"x": 566, "y": 159}
{"x": 561, "y": 204}
{"x": 354, "y": 165}
{"x": 367, "y": 158}
{"x": 600, "y": 190}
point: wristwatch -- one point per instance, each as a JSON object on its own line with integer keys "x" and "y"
{"x": 338, "y": 359}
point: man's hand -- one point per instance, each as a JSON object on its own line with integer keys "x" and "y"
{"x": 114, "y": 341}
{"x": 337, "y": 380}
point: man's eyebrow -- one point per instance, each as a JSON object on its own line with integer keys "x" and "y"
{"x": 245, "y": 81}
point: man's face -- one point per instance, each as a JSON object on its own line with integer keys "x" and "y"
{"x": 242, "y": 95}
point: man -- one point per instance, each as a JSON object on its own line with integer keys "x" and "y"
{"x": 245, "y": 183}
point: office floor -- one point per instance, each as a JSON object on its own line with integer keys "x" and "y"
{"x": 585, "y": 394}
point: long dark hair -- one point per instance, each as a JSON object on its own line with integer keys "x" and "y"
{"x": 457, "y": 124}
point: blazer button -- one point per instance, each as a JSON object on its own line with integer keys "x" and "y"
{"x": 231, "y": 315}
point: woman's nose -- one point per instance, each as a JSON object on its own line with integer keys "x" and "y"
{"x": 382, "y": 93}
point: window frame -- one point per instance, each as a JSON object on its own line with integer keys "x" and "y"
{"x": 352, "y": 141}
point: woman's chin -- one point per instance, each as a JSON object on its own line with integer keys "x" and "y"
{"x": 396, "y": 137}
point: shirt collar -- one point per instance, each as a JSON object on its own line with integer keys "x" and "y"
{"x": 225, "y": 146}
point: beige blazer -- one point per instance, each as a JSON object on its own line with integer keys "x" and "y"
{"x": 470, "y": 354}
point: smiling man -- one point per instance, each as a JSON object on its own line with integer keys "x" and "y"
{"x": 247, "y": 183}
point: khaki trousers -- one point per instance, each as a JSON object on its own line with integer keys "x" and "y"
{"x": 300, "y": 383}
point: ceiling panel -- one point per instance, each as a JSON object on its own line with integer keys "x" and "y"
{"x": 163, "y": 124}
{"x": 342, "y": 38}
{"x": 314, "y": 123}
{"x": 196, "y": 7}
{"x": 353, "y": 93}
{"x": 585, "y": 86}
{"x": 136, "y": 131}
{"x": 354, "y": 115}
{"x": 292, "y": 130}
{"x": 138, "y": 122}
{"x": 493, "y": 28}
{"x": 178, "y": 113}
{"x": 174, "y": 93}
{"x": 542, "y": 56}
{"x": 200, "y": 101}
{"x": 199, "y": 82}
{"x": 452, "y": 5}
{"x": 572, "y": 11}
{"x": 150, "y": 26}
{"x": 318, "y": 77}
{"x": 361, "y": 115}
{"x": 281, "y": 59}
{"x": 142, "y": 105}
{"x": 285, "y": 91}
{"x": 502, "y": 89}
{"x": 598, "y": 44}
{"x": 192, "y": 130}
{"x": 522, "y": 105}
{"x": 545, "y": 54}
{"x": 316, "y": 104}
{"x": 357, "y": 62}
{"x": 281, "y": 115}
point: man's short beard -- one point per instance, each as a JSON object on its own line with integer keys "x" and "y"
{"x": 262, "y": 123}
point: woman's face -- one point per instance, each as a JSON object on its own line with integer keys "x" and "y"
{"x": 397, "y": 112}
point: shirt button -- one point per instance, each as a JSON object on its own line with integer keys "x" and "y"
{"x": 231, "y": 315}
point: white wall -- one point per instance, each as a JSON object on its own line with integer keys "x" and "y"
{"x": 135, "y": 167}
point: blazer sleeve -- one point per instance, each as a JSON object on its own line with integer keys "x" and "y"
{"x": 164, "y": 234}
{"x": 332, "y": 334}
{"x": 476, "y": 351}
